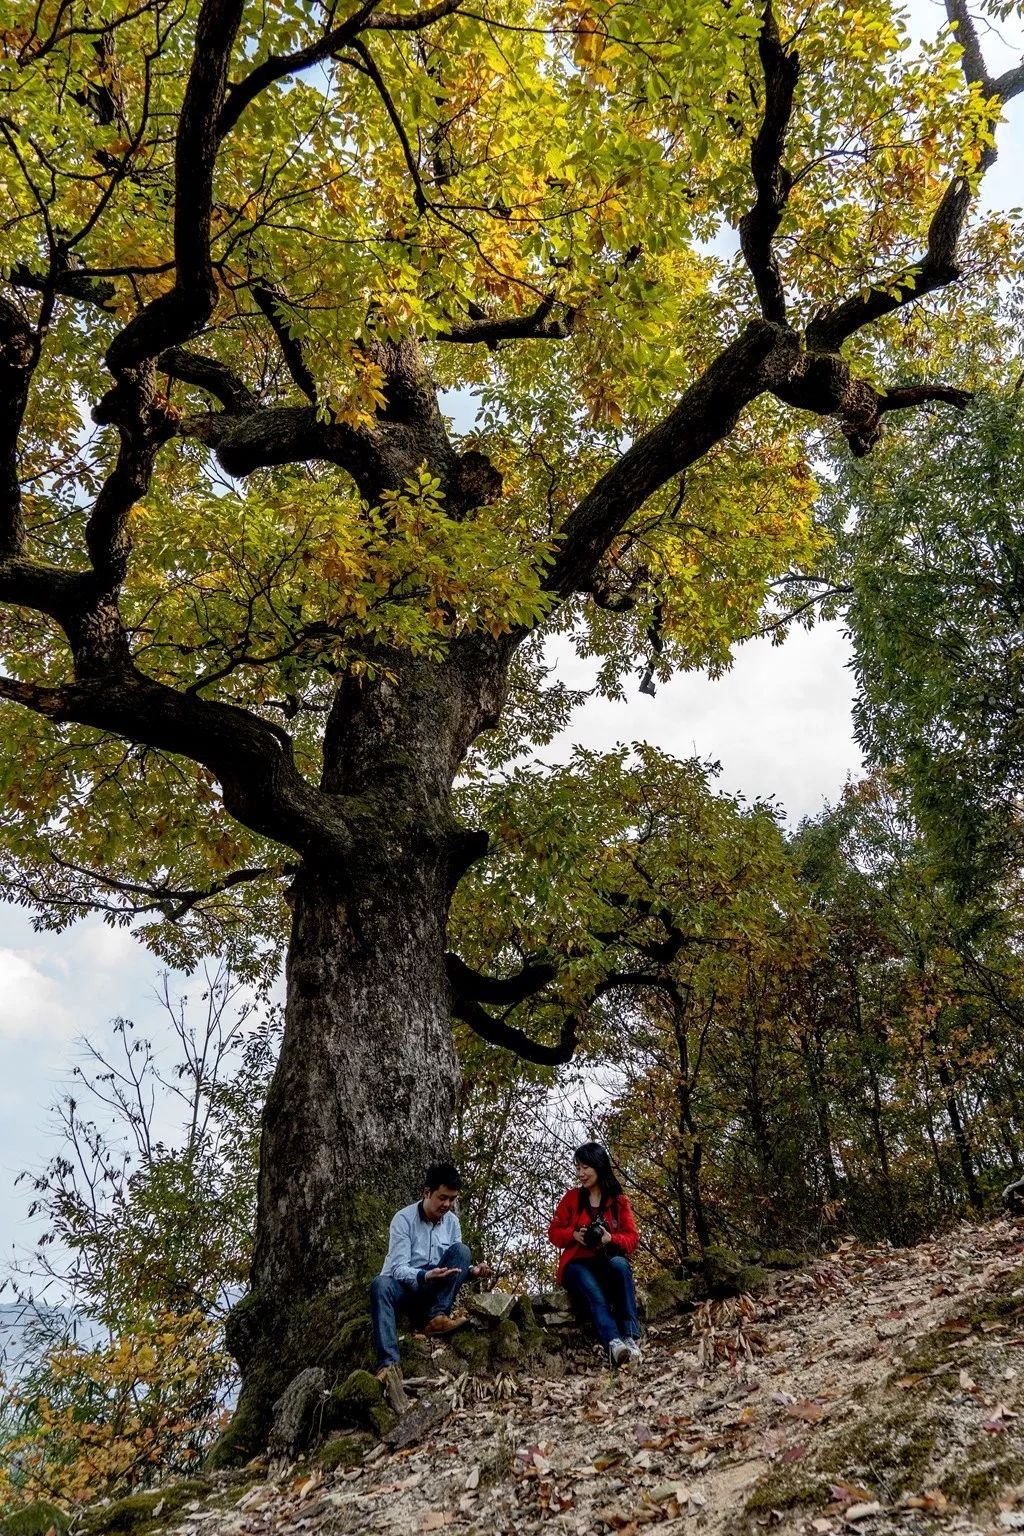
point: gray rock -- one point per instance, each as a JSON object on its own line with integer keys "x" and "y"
{"x": 412, "y": 1426}
{"x": 294, "y": 1412}
{"x": 494, "y": 1305}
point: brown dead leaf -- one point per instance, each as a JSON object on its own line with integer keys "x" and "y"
{"x": 807, "y": 1410}
{"x": 848, "y": 1493}
{"x": 933, "y": 1500}
{"x": 607, "y": 1460}
{"x": 434, "y": 1520}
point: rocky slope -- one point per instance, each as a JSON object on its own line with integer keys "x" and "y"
{"x": 877, "y": 1391}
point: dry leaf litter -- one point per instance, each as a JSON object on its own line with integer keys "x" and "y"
{"x": 794, "y": 1412}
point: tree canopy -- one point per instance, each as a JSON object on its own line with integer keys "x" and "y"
{"x": 246, "y": 251}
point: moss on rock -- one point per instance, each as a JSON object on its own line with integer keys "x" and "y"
{"x": 35, "y": 1520}
{"x": 1003, "y": 1304}
{"x": 891, "y": 1451}
{"x": 507, "y": 1344}
{"x": 784, "y": 1258}
{"x": 784, "y": 1489}
{"x": 341, "y": 1452}
{"x": 415, "y": 1356}
{"x": 351, "y": 1348}
{"x": 981, "y": 1484}
{"x": 246, "y": 1434}
{"x": 668, "y": 1292}
{"x": 472, "y": 1348}
{"x": 724, "y": 1273}
{"x": 523, "y": 1315}
{"x": 141, "y": 1511}
{"x": 358, "y": 1403}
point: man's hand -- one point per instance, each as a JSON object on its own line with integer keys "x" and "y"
{"x": 440, "y": 1274}
{"x": 481, "y": 1271}
{"x": 579, "y": 1236}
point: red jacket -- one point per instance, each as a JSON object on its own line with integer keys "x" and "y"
{"x": 568, "y": 1217}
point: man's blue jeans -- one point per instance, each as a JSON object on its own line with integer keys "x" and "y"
{"x": 389, "y": 1296}
{"x": 605, "y": 1287}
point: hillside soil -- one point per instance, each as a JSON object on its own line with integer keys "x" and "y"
{"x": 877, "y": 1391}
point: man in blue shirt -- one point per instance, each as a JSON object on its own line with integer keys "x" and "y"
{"x": 426, "y": 1265}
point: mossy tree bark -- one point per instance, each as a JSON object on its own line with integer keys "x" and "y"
{"x": 364, "y": 1092}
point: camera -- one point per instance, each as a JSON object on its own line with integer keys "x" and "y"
{"x": 593, "y": 1235}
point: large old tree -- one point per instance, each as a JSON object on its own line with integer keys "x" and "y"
{"x": 262, "y": 602}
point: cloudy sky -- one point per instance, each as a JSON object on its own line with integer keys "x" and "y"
{"x": 779, "y": 723}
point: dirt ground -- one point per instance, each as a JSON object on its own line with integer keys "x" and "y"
{"x": 877, "y": 1391}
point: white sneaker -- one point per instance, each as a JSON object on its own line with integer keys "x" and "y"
{"x": 618, "y": 1351}
{"x": 633, "y": 1350}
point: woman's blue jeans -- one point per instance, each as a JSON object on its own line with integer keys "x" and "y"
{"x": 389, "y": 1296}
{"x": 605, "y": 1287}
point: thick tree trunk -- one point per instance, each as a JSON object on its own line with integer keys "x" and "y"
{"x": 366, "y": 1086}
{"x": 361, "y": 1101}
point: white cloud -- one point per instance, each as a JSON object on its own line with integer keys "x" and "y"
{"x": 779, "y": 722}
{"x": 31, "y": 1004}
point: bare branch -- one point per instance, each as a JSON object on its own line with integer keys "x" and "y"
{"x": 252, "y": 759}
{"x": 207, "y": 373}
{"x": 830, "y": 327}
{"x": 19, "y": 354}
{"x": 781, "y": 70}
{"x": 68, "y": 282}
{"x": 43, "y": 588}
{"x": 179, "y": 314}
{"x": 706, "y": 413}
{"x": 281, "y": 66}
{"x": 538, "y": 324}
{"x": 143, "y": 423}
{"x": 172, "y": 902}
{"x": 497, "y": 1032}
{"x": 474, "y": 987}
{"x": 271, "y": 302}
{"x": 907, "y": 396}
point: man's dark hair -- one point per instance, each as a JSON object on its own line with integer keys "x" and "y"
{"x": 442, "y": 1173}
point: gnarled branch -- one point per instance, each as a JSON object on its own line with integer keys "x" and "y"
{"x": 206, "y": 373}
{"x": 270, "y": 301}
{"x": 472, "y": 986}
{"x": 497, "y": 1032}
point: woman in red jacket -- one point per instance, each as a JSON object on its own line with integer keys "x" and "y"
{"x": 594, "y": 1227}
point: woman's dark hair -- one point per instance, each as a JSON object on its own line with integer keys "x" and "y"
{"x": 595, "y": 1156}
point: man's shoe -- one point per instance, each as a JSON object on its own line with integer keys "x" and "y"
{"x": 635, "y": 1353}
{"x": 446, "y": 1322}
{"x": 390, "y": 1378}
{"x": 618, "y": 1352}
